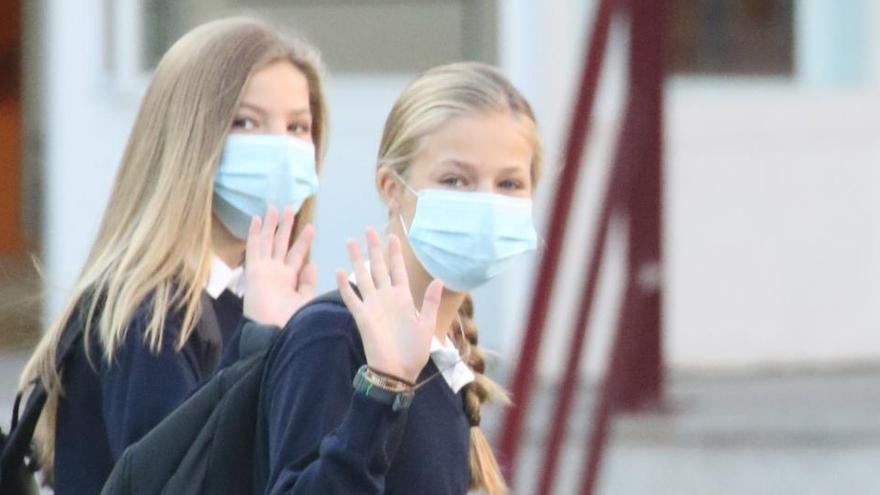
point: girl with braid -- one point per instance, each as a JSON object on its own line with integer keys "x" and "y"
{"x": 377, "y": 388}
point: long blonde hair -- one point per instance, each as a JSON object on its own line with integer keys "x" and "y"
{"x": 154, "y": 242}
{"x": 432, "y": 100}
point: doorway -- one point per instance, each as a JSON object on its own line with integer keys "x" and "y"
{"x": 11, "y": 238}
{"x": 19, "y": 283}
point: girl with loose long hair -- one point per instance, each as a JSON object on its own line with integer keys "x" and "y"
{"x": 378, "y": 388}
{"x": 233, "y": 121}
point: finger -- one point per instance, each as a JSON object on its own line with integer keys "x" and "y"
{"x": 252, "y": 247}
{"x": 300, "y": 249}
{"x": 362, "y": 277}
{"x": 308, "y": 281}
{"x": 351, "y": 300}
{"x": 268, "y": 232}
{"x": 282, "y": 236}
{"x": 395, "y": 262}
{"x": 377, "y": 259}
{"x": 431, "y": 303}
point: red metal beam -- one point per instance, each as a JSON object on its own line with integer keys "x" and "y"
{"x": 522, "y": 379}
{"x": 642, "y": 379}
{"x": 602, "y": 411}
{"x": 635, "y": 375}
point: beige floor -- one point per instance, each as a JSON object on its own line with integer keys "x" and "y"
{"x": 805, "y": 433}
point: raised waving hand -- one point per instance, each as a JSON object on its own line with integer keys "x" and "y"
{"x": 278, "y": 281}
{"x": 396, "y": 334}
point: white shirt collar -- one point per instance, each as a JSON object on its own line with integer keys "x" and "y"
{"x": 446, "y": 358}
{"x": 222, "y": 277}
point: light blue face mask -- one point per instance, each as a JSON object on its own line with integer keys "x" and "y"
{"x": 261, "y": 170}
{"x": 467, "y": 238}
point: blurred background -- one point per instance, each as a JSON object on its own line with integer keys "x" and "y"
{"x": 770, "y": 231}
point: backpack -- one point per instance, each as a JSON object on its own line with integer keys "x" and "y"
{"x": 206, "y": 445}
{"x": 17, "y": 464}
{"x": 17, "y": 461}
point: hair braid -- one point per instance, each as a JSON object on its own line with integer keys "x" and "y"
{"x": 484, "y": 472}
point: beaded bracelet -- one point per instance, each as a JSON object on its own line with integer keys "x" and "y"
{"x": 389, "y": 376}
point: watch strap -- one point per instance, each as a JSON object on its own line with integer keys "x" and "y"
{"x": 367, "y": 384}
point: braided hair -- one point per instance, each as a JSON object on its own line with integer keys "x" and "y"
{"x": 483, "y": 466}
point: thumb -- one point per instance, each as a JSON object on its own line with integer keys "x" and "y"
{"x": 431, "y": 303}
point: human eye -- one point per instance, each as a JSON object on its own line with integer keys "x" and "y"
{"x": 300, "y": 128}
{"x": 453, "y": 181}
{"x": 511, "y": 185}
{"x": 244, "y": 124}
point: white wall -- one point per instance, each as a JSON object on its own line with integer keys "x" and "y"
{"x": 347, "y": 197}
{"x": 772, "y": 259}
{"x": 85, "y": 121}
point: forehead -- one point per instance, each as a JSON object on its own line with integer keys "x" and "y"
{"x": 278, "y": 85}
{"x": 490, "y": 142}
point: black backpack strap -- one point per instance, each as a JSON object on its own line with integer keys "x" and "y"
{"x": 18, "y": 444}
{"x": 256, "y": 337}
{"x": 208, "y": 330}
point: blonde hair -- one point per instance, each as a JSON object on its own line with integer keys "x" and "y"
{"x": 428, "y": 103}
{"x": 154, "y": 242}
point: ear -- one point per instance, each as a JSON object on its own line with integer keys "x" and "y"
{"x": 389, "y": 188}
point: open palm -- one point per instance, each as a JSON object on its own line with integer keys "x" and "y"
{"x": 396, "y": 336}
{"x": 277, "y": 283}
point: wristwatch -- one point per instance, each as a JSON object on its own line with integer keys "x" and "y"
{"x": 383, "y": 390}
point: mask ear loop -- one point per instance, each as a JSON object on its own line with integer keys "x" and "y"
{"x": 416, "y": 193}
{"x": 403, "y": 181}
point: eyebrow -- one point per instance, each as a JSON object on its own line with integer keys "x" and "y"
{"x": 458, "y": 164}
{"x": 470, "y": 167}
{"x": 261, "y": 111}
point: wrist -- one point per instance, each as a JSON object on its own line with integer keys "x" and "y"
{"x": 392, "y": 378}
{"x": 391, "y": 367}
{"x": 397, "y": 394}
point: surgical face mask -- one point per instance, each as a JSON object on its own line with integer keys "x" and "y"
{"x": 467, "y": 238}
{"x": 261, "y": 170}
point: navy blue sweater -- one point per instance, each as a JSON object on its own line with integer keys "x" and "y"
{"x": 107, "y": 407}
{"x": 317, "y": 437}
